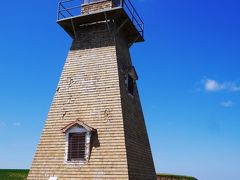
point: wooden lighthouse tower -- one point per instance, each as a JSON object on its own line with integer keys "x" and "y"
{"x": 95, "y": 127}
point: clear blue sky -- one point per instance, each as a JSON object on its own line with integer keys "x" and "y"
{"x": 189, "y": 69}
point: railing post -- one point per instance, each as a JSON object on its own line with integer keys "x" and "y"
{"x": 58, "y": 11}
{"x": 132, "y": 15}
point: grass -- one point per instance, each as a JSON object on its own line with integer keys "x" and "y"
{"x": 18, "y": 174}
{"x": 13, "y": 174}
{"x": 179, "y": 177}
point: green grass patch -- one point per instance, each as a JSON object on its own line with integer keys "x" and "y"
{"x": 179, "y": 177}
{"x": 21, "y": 174}
{"x": 13, "y": 174}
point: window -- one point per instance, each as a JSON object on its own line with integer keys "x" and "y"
{"x": 130, "y": 85}
{"x": 76, "y": 146}
{"x": 78, "y": 138}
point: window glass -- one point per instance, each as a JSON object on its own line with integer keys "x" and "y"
{"x": 130, "y": 85}
{"x": 76, "y": 146}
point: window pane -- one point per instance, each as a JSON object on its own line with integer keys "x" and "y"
{"x": 130, "y": 85}
{"x": 76, "y": 146}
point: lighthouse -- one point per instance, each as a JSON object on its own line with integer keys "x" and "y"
{"x": 95, "y": 127}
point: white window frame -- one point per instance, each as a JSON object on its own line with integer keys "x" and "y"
{"x": 53, "y": 178}
{"x": 78, "y": 129}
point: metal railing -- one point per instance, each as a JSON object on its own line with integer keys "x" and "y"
{"x": 133, "y": 15}
{"x": 72, "y": 8}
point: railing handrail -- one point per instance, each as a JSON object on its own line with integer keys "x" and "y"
{"x": 64, "y": 1}
{"x": 134, "y": 10}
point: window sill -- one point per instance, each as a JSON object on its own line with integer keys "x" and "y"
{"x": 75, "y": 162}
